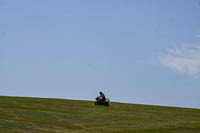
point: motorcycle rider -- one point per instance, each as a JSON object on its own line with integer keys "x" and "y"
{"x": 102, "y": 96}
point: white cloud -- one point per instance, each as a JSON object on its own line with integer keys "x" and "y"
{"x": 184, "y": 60}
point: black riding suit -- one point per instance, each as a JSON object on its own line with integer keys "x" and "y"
{"x": 103, "y": 97}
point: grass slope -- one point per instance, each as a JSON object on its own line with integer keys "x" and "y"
{"x": 35, "y": 115}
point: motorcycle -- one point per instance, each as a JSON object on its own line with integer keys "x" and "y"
{"x": 101, "y": 101}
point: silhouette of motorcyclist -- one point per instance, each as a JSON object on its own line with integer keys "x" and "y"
{"x": 102, "y": 96}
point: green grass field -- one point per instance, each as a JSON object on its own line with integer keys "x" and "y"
{"x": 43, "y": 115}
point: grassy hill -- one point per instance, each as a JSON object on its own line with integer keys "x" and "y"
{"x": 35, "y": 115}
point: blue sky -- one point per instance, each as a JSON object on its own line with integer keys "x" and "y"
{"x": 136, "y": 51}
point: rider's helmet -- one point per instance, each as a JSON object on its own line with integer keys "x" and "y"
{"x": 100, "y": 92}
